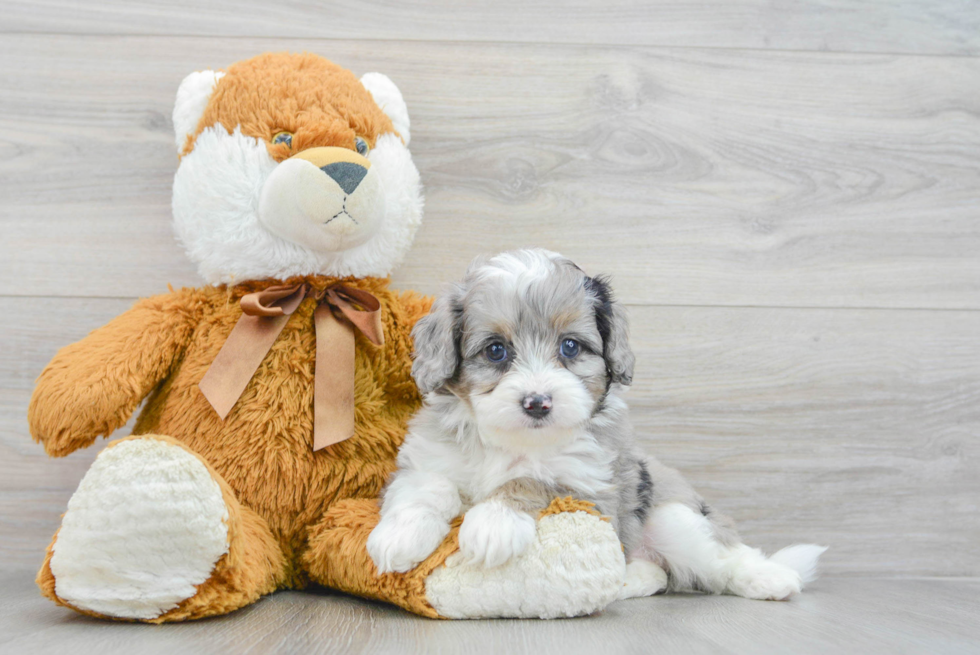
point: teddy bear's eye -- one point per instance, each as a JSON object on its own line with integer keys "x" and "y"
{"x": 361, "y": 145}
{"x": 283, "y": 137}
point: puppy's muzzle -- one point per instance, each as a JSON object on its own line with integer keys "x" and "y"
{"x": 536, "y": 405}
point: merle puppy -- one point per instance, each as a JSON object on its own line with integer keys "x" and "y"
{"x": 522, "y": 366}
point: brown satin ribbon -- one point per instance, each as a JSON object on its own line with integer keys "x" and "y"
{"x": 264, "y": 315}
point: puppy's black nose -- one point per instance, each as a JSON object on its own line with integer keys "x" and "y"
{"x": 347, "y": 174}
{"x": 536, "y": 405}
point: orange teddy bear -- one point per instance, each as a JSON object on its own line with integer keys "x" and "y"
{"x": 278, "y": 395}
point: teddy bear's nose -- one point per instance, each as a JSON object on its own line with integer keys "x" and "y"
{"x": 347, "y": 174}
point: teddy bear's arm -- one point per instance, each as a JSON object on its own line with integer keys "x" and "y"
{"x": 415, "y": 306}
{"x": 91, "y": 387}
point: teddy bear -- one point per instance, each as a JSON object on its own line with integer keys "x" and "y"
{"x": 275, "y": 397}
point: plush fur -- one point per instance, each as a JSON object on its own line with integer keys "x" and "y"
{"x": 263, "y": 449}
{"x": 524, "y": 363}
{"x": 575, "y": 585}
{"x": 192, "y": 99}
{"x": 235, "y": 187}
{"x": 574, "y": 566}
{"x": 195, "y": 516}
{"x": 178, "y": 539}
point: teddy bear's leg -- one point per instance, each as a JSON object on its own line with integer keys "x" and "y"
{"x": 574, "y": 566}
{"x": 154, "y": 534}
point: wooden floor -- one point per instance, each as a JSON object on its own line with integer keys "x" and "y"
{"x": 786, "y": 195}
{"x": 866, "y": 616}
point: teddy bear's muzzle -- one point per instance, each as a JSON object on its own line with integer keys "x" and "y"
{"x": 345, "y": 167}
{"x": 326, "y": 198}
{"x": 324, "y": 156}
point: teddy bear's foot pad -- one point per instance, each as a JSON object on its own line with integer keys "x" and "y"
{"x": 575, "y": 566}
{"x": 144, "y": 529}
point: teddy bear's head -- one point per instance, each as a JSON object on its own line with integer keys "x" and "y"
{"x": 290, "y": 165}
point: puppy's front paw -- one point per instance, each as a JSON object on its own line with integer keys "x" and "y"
{"x": 765, "y": 580}
{"x": 492, "y": 533}
{"x": 401, "y": 541}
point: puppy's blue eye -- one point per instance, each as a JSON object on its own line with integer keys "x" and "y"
{"x": 496, "y": 352}
{"x": 569, "y": 348}
{"x": 361, "y": 145}
{"x": 283, "y": 137}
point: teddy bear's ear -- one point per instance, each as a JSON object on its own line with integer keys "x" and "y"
{"x": 192, "y": 99}
{"x": 390, "y": 100}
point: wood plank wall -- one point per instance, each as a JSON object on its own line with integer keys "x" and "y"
{"x": 787, "y": 196}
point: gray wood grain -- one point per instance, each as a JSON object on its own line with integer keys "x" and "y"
{"x": 794, "y": 222}
{"x": 921, "y": 26}
{"x": 856, "y": 429}
{"x": 834, "y": 615}
{"x": 694, "y": 176}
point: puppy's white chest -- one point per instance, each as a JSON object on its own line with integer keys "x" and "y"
{"x": 583, "y": 469}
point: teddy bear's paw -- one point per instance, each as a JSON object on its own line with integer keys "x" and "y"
{"x": 400, "y": 542}
{"x": 145, "y": 527}
{"x": 573, "y": 566}
{"x": 492, "y": 533}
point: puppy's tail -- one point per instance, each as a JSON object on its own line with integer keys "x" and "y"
{"x": 802, "y": 558}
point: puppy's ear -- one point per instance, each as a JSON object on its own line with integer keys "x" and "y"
{"x": 619, "y": 355}
{"x": 613, "y": 326}
{"x": 437, "y": 342}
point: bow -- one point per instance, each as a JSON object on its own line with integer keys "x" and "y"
{"x": 264, "y": 314}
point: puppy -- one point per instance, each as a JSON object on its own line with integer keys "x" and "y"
{"x": 522, "y": 367}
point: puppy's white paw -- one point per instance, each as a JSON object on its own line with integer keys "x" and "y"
{"x": 764, "y": 580}
{"x": 401, "y": 541}
{"x": 493, "y": 533}
{"x": 643, "y": 578}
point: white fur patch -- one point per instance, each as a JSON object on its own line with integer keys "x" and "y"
{"x": 216, "y": 196}
{"x": 802, "y": 558}
{"x": 685, "y": 539}
{"x": 643, "y": 578}
{"x": 518, "y": 268}
{"x": 573, "y": 567}
{"x": 503, "y": 423}
{"x": 415, "y": 519}
{"x": 437, "y": 447}
{"x": 192, "y": 99}
{"x": 145, "y": 527}
{"x": 493, "y": 533}
{"x": 389, "y": 99}
{"x": 752, "y": 575}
